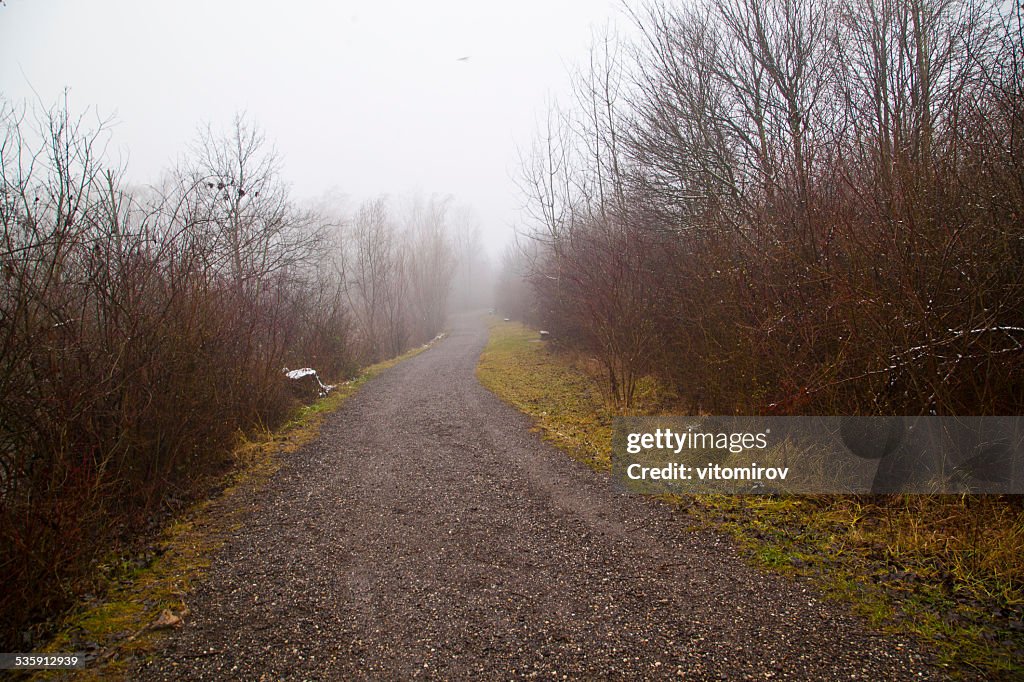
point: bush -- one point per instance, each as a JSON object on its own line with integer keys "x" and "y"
{"x": 141, "y": 333}
{"x": 787, "y": 208}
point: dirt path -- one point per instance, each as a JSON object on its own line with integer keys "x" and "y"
{"x": 429, "y": 534}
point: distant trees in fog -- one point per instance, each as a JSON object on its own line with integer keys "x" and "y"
{"x": 793, "y": 206}
{"x": 398, "y": 265}
{"x": 141, "y": 331}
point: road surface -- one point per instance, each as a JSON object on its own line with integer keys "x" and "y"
{"x": 428, "y": 533}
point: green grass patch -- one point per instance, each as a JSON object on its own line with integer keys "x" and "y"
{"x": 948, "y": 569}
{"x": 553, "y": 389}
{"x": 118, "y": 626}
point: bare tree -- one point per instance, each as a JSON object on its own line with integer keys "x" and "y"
{"x": 431, "y": 263}
{"x": 375, "y": 280}
{"x": 473, "y": 282}
{"x": 232, "y": 185}
{"x": 822, "y": 199}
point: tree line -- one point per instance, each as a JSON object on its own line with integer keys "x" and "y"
{"x": 143, "y": 329}
{"x": 789, "y": 207}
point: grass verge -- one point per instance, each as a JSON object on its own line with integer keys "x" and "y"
{"x": 119, "y": 627}
{"x": 948, "y": 569}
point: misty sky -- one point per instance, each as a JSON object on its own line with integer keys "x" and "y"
{"x": 359, "y": 97}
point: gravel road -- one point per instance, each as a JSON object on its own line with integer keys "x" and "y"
{"x": 429, "y": 534}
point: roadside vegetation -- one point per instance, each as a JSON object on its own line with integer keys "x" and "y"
{"x": 949, "y": 569}
{"x": 146, "y": 331}
{"x": 805, "y": 207}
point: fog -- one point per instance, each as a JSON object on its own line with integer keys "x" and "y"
{"x": 359, "y": 98}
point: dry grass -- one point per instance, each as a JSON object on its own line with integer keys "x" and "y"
{"x": 562, "y": 398}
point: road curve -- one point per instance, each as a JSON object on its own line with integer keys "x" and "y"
{"x": 428, "y": 533}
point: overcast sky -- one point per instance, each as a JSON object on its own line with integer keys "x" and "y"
{"x": 358, "y": 97}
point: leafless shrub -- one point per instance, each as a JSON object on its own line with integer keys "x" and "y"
{"x": 797, "y": 206}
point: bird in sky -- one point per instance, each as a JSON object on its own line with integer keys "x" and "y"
{"x": 463, "y": 59}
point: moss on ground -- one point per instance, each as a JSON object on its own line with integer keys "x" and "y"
{"x": 118, "y": 626}
{"x": 948, "y": 569}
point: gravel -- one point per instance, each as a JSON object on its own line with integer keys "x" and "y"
{"x": 428, "y": 533}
